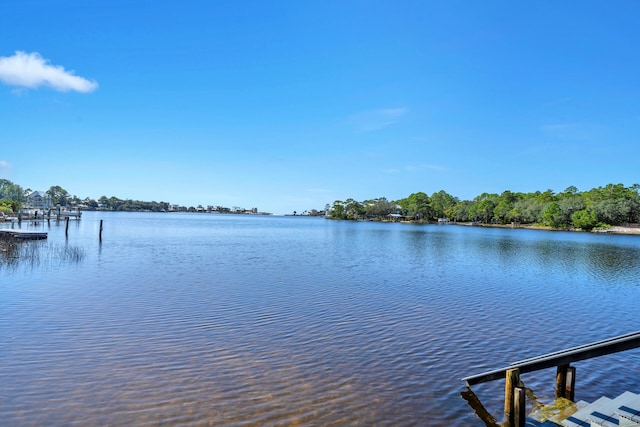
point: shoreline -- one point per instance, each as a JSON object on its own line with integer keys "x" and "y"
{"x": 614, "y": 229}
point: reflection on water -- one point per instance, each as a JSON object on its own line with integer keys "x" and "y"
{"x": 478, "y": 408}
{"x": 9, "y": 249}
{"x": 188, "y": 319}
{"x": 15, "y": 252}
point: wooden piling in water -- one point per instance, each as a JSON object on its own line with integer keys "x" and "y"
{"x": 512, "y": 378}
{"x": 101, "y": 230}
{"x": 565, "y": 382}
{"x": 66, "y": 229}
{"x": 519, "y": 407}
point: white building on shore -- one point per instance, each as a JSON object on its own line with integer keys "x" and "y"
{"x": 38, "y": 199}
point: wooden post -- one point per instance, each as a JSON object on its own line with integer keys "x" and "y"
{"x": 101, "y": 230}
{"x": 565, "y": 382}
{"x": 66, "y": 229}
{"x": 519, "y": 408}
{"x": 570, "y": 384}
{"x": 512, "y": 381}
{"x": 561, "y": 378}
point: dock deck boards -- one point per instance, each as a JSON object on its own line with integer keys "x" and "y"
{"x": 607, "y": 412}
{"x": 23, "y": 234}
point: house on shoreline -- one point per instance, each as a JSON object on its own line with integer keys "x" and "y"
{"x": 39, "y": 200}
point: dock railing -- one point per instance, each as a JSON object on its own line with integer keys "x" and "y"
{"x": 565, "y": 375}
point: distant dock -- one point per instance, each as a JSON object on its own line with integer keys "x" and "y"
{"x": 57, "y": 214}
{"x": 24, "y": 234}
{"x": 68, "y": 214}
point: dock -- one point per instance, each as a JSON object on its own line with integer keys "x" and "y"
{"x": 57, "y": 214}
{"x": 623, "y": 410}
{"x": 24, "y": 234}
{"x": 68, "y": 214}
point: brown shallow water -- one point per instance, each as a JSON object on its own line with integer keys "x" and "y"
{"x": 232, "y": 320}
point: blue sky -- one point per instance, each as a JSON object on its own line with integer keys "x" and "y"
{"x": 289, "y": 105}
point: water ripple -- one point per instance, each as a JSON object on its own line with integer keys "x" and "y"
{"x": 205, "y": 320}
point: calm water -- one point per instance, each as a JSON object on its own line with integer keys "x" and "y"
{"x": 196, "y": 319}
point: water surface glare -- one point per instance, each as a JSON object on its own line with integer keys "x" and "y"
{"x": 204, "y": 319}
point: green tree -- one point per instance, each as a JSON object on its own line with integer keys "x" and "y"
{"x": 569, "y": 204}
{"x": 90, "y": 202}
{"x": 584, "y": 219}
{"x": 506, "y": 203}
{"x": 11, "y": 191}
{"x": 441, "y": 204}
{"x": 114, "y": 203}
{"x": 417, "y": 206}
{"x": 483, "y": 207}
{"x": 353, "y": 209}
{"x": 460, "y": 212}
{"x": 4, "y": 208}
{"x": 552, "y": 215}
{"x": 59, "y": 196}
{"x": 337, "y": 210}
{"x": 514, "y": 215}
{"x": 612, "y": 211}
{"x": 530, "y": 208}
{"x": 571, "y": 190}
{"x": 378, "y": 208}
{"x": 546, "y": 197}
{"x": 501, "y": 211}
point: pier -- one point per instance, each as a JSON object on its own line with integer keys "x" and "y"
{"x": 57, "y": 214}
{"x": 68, "y": 214}
{"x": 588, "y": 414}
{"x": 24, "y": 234}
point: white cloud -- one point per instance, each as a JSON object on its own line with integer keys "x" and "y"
{"x": 30, "y": 70}
{"x": 5, "y": 168}
{"x": 368, "y": 121}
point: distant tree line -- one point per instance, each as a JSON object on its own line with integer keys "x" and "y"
{"x": 613, "y": 204}
{"x": 13, "y": 196}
